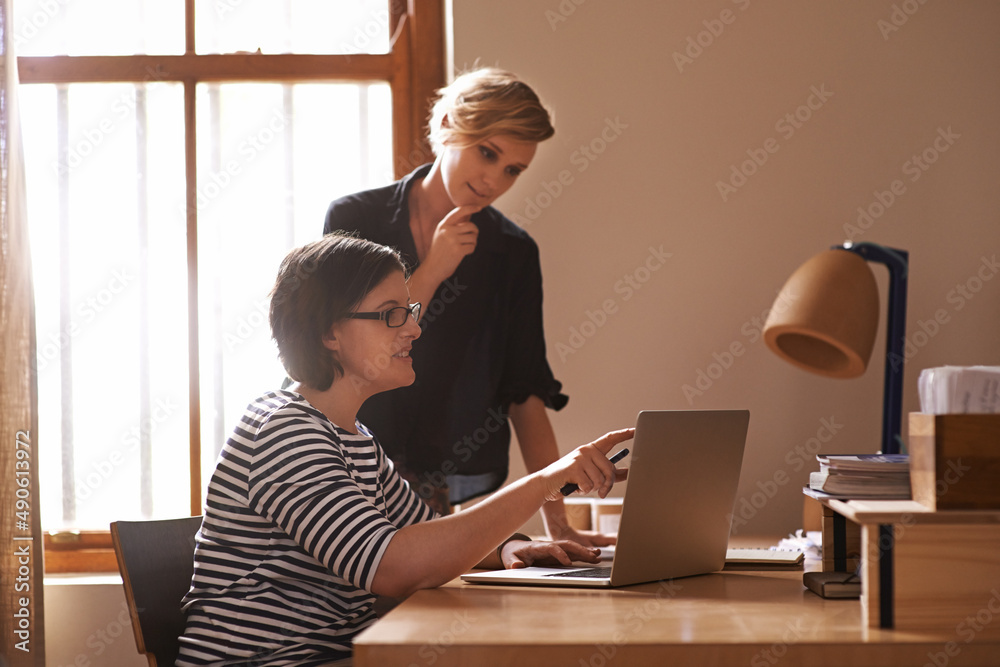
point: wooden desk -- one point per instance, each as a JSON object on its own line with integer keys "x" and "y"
{"x": 750, "y": 618}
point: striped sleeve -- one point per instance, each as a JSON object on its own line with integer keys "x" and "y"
{"x": 404, "y": 505}
{"x": 301, "y": 480}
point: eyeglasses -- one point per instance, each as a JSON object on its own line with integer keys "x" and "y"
{"x": 394, "y": 317}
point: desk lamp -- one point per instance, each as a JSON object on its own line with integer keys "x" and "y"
{"x": 825, "y": 318}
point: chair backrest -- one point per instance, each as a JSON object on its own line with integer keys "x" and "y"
{"x": 156, "y": 561}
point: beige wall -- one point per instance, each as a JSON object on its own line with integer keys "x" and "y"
{"x": 887, "y": 81}
{"x": 87, "y": 623}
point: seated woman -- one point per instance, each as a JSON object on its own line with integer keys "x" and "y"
{"x": 306, "y": 519}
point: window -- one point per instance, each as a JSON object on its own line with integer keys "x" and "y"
{"x": 171, "y": 163}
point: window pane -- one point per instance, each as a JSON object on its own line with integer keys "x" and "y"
{"x": 106, "y": 212}
{"x": 98, "y": 27}
{"x": 271, "y": 158}
{"x": 292, "y": 26}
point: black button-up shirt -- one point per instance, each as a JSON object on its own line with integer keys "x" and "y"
{"x": 482, "y": 347}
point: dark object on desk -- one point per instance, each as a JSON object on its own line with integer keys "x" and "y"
{"x": 841, "y": 538}
{"x": 844, "y": 585}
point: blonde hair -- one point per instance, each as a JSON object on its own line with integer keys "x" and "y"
{"x": 484, "y": 103}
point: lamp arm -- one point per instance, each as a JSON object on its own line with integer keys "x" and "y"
{"x": 897, "y": 262}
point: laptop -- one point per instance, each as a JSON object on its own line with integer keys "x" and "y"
{"x": 677, "y": 509}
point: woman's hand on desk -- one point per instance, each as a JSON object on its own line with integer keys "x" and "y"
{"x": 588, "y": 538}
{"x": 518, "y": 553}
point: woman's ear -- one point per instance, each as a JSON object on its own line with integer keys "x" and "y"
{"x": 330, "y": 340}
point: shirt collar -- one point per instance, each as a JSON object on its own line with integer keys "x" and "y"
{"x": 400, "y": 200}
{"x": 489, "y": 231}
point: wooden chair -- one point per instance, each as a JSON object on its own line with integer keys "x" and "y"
{"x": 156, "y": 560}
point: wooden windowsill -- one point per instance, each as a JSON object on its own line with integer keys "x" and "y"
{"x": 79, "y": 552}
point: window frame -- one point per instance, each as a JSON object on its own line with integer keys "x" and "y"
{"x": 414, "y": 68}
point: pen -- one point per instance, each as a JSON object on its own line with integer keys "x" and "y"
{"x": 570, "y": 487}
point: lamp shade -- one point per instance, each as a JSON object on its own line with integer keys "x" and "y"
{"x": 825, "y": 317}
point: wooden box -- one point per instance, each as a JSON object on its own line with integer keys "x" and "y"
{"x": 955, "y": 461}
{"x": 578, "y": 513}
{"x": 607, "y": 515}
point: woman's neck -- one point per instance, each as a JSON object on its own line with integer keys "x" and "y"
{"x": 429, "y": 204}
{"x": 340, "y": 403}
{"x": 430, "y": 198}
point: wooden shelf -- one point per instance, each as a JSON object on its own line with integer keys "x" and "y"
{"x": 906, "y": 511}
{"x": 926, "y": 570}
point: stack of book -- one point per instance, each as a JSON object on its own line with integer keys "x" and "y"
{"x": 863, "y": 476}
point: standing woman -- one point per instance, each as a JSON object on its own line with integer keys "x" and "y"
{"x": 481, "y": 362}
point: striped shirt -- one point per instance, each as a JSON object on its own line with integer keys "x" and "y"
{"x": 298, "y": 515}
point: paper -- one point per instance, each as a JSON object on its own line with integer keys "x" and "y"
{"x": 960, "y": 390}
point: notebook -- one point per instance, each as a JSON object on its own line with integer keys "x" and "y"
{"x": 756, "y": 557}
{"x": 677, "y": 511}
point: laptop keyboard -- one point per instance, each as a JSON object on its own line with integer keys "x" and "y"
{"x": 589, "y": 573}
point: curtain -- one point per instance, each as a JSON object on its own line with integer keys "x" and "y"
{"x": 21, "y": 566}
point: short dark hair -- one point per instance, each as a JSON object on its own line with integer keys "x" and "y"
{"x": 318, "y": 284}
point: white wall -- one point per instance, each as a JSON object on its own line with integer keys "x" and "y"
{"x": 666, "y": 134}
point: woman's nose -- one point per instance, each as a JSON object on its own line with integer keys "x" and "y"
{"x": 411, "y": 328}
